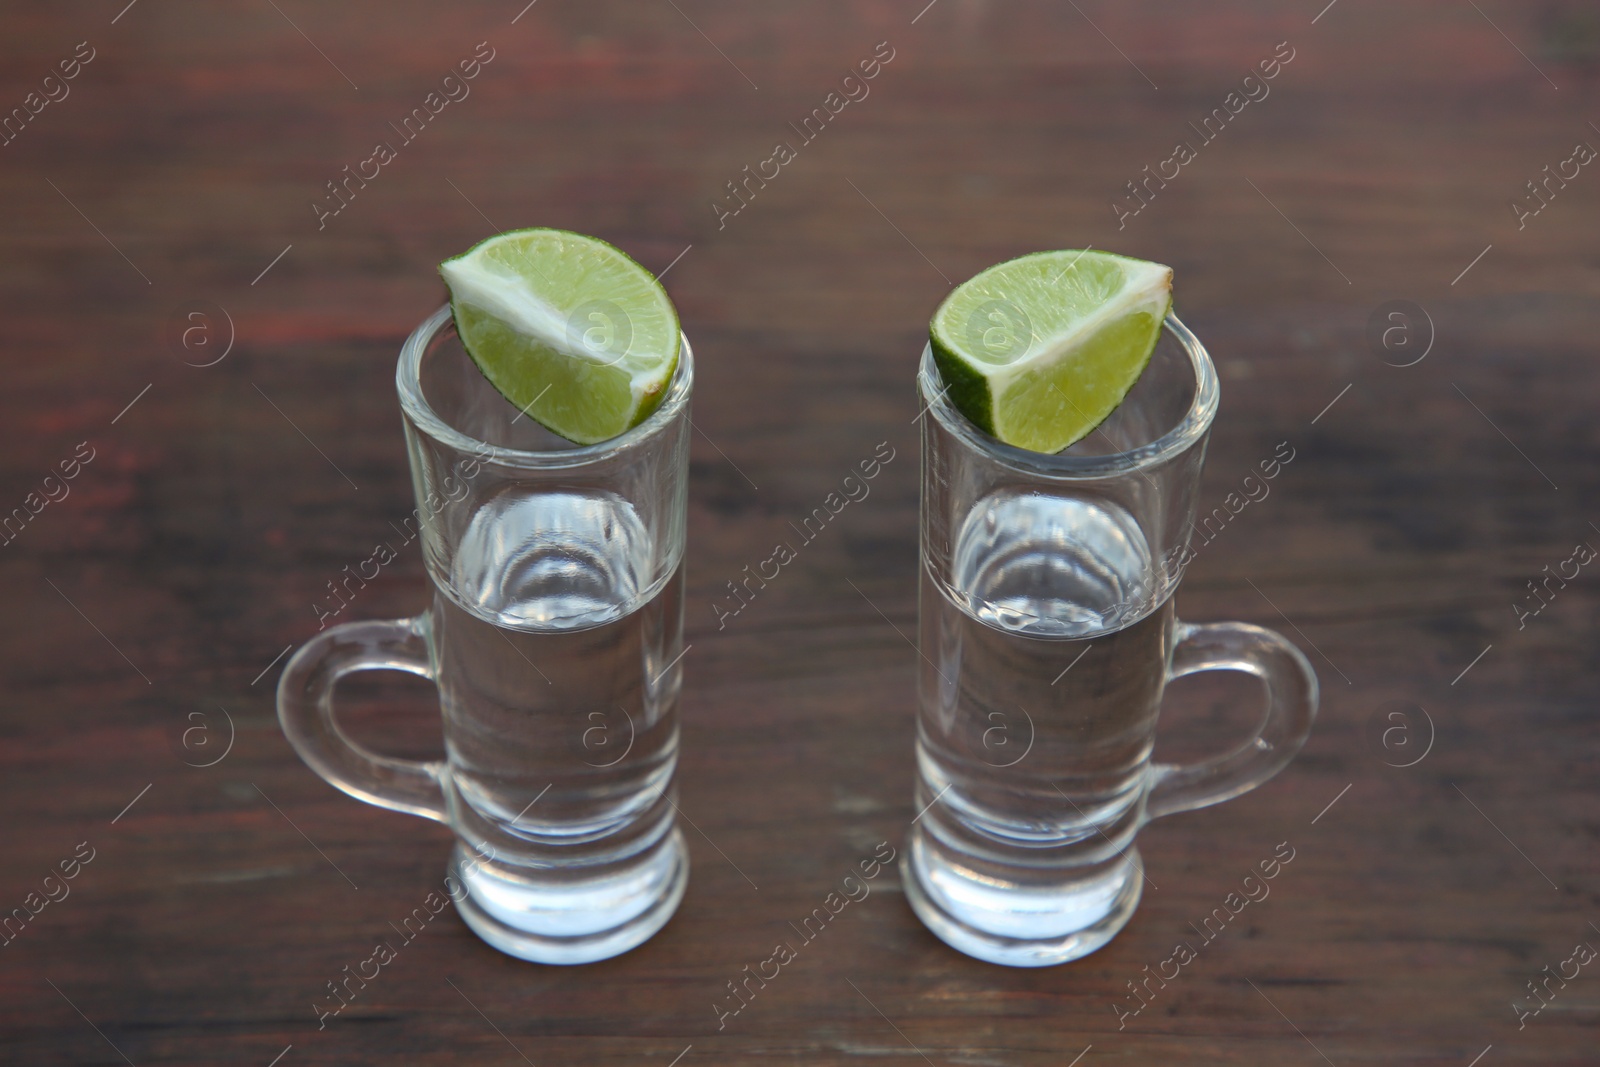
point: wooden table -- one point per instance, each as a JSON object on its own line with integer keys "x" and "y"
{"x": 176, "y": 175}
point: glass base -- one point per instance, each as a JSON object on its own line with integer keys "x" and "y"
{"x": 582, "y": 923}
{"x": 1013, "y": 926}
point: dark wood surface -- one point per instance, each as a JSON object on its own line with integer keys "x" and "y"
{"x": 157, "y": 596}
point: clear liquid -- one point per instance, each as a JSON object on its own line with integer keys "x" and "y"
{"x": 1042, "y": 679}
{"x": 556, "y": 650}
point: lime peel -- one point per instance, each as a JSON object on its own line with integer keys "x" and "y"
{"x": 568, "y": 328}
{"x": 1039, "y": 350}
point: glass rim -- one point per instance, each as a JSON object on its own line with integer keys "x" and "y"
{"x": 408, "y": 384}
{"x": 1189, "y": 429}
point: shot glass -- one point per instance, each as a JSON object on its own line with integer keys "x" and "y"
{"x": 554, "y": 638}
{"x": 1047, "y": 635}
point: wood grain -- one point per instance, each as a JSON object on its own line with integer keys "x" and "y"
{"x": 188, "y": 552}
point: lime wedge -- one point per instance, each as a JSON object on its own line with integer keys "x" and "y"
{"x": 1037, "y": 351}
{"x": 568, "y": 328}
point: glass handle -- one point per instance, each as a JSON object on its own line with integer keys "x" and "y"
{"x": 1291, "y": 706}
{"x": 305, "y": 708}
